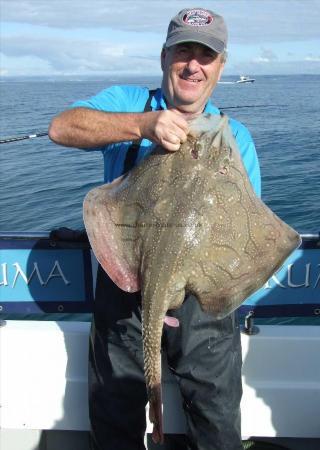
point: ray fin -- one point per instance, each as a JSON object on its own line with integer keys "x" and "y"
{"x": 110, "y": 225}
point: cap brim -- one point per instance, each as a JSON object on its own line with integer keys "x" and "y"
{"x": 215, "y": 44}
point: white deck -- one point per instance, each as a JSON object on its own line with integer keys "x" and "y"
{"x": 43, "y": 380}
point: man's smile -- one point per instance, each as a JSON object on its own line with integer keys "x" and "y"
{"x": 190, "y": 79}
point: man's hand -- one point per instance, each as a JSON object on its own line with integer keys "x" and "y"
{"x": 167, "y": 128}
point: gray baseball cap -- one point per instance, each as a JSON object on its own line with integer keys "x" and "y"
{"x": 198, "y": 25}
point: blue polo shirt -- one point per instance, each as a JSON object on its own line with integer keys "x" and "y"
{"x": 133, "y": 99}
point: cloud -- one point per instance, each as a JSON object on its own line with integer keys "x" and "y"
{"x": 266, "y": 55}
{"x": 259, "y": 67}
{"x": 312, "y": 58}
{"x": 81, "y": 56}
{"x": 103, "y": 36}
{"x": 248, "y": 20}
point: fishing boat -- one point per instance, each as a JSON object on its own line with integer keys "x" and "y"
{"x": 242, "y": 79}
{"x": 245, "y": 79}
{"x": 46, "y": 296}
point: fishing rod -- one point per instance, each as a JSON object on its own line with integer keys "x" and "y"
{"x": 45, "y": 133}
{"x": 21, "y": 138}
{"x": 249, "y": 106}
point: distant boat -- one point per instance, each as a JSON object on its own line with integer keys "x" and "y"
{"x": 244, "y": 79}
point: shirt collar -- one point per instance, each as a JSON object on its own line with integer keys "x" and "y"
{"x": 158, "y": 102}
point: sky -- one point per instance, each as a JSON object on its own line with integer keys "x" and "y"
{"x": 122, "y": 37}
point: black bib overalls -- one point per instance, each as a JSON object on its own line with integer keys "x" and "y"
{"x": 204, "y": 354}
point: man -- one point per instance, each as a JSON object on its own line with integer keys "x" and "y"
{"x": 203, "y": 353}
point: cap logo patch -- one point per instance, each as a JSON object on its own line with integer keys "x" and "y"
{"x": 197, "y": 18}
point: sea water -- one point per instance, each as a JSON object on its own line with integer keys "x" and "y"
{"x": 43, "y": 185}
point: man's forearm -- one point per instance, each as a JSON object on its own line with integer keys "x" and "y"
{"x": 88, "y": 128}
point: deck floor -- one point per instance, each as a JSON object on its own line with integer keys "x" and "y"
{"x": 79, "y": 440}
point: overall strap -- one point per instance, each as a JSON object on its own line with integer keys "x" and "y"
{"x": 133, "y": 150}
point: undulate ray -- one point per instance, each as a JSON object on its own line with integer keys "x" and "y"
{"x": 186, "y": 222}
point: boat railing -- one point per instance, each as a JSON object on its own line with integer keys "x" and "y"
{"x": 46, "y": 235}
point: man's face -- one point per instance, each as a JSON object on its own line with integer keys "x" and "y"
{"x": 190, "y": 72}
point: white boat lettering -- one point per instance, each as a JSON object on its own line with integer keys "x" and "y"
{"x": 292, "y": 281}
{"x": 4, "y": 281}
{"x": 318, "y": 279}
{"x": 59, "y": 274}
{"x": 56, "y": 272}
{"x": 275, "y": 280}
{"x": 27, "y": 280}
{"x": 306, "y": 280}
